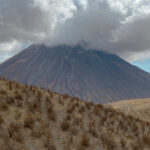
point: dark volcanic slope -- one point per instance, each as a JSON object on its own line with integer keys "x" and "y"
{"x": 90, "y": 75}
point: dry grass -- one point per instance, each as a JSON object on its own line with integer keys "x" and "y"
{"x": 32, "y": 118}
{"x": 139, "y": 108}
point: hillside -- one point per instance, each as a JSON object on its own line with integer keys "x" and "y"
{"x": 136, "y": 107}
{"x": 92, "y": 75}
{"x": 37, "y": 119}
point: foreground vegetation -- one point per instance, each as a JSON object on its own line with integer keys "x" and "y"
{"x": 38, "y": 119}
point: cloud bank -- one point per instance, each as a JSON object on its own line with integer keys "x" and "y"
{"x": 120, "y": 27}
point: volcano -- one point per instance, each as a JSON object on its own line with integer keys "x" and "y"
{"x": 91, "y": 75}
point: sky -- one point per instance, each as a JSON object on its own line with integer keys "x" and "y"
{"x": 144, "y": 64}
{"x": 121, "y": 27}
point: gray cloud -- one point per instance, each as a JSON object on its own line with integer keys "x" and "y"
{"x": 120, "y": 27}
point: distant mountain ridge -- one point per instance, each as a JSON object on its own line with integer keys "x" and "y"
{"x": 89, "y": 74}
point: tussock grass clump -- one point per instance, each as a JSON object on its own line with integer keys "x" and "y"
{"x": 13, "y": 127}
{"x": 52, "y": 115}
{"x": 3, "y": 106}
{"x": 61, "y": 101}
{"x": 70, "y": 107}
{"x": 108, "y": 140}
{"x": 92, "y": 129}
{"x": 68, "y": 117}
{"x": 14, "y": 132}
{"x": 49, "y": 146}
{"x": 3, "y": 92}
{"x": 37, "y": 132}
{"x": 10, "y": 100}
{"x": 97, "y": 109}
{"x": 39, "y": 94}
{"x": 81, "y": 109}
{"x": 19, "y": 97}
{"x": 9, "y": 84}
{"x": 34, "y": 106}
{"x": 146, "y": 140}
{"x": 1, "y": 120}
{"x": 17, "y": 85}
{"x": 85, "y": 141}
{"x": 28, "y": 122}
{"x": 74, "y": 131}
{"x": 65, "y": 126}
{"x": 88, "y": 105}
{"x": 102, "y": 120}
{"x": 65, "y": 96}
{"x": 77, "y": 120}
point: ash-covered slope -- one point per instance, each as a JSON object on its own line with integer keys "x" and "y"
{"x": 88, "y": 74}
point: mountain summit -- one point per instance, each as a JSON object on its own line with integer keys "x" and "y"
{"x": 89, "y": 74}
